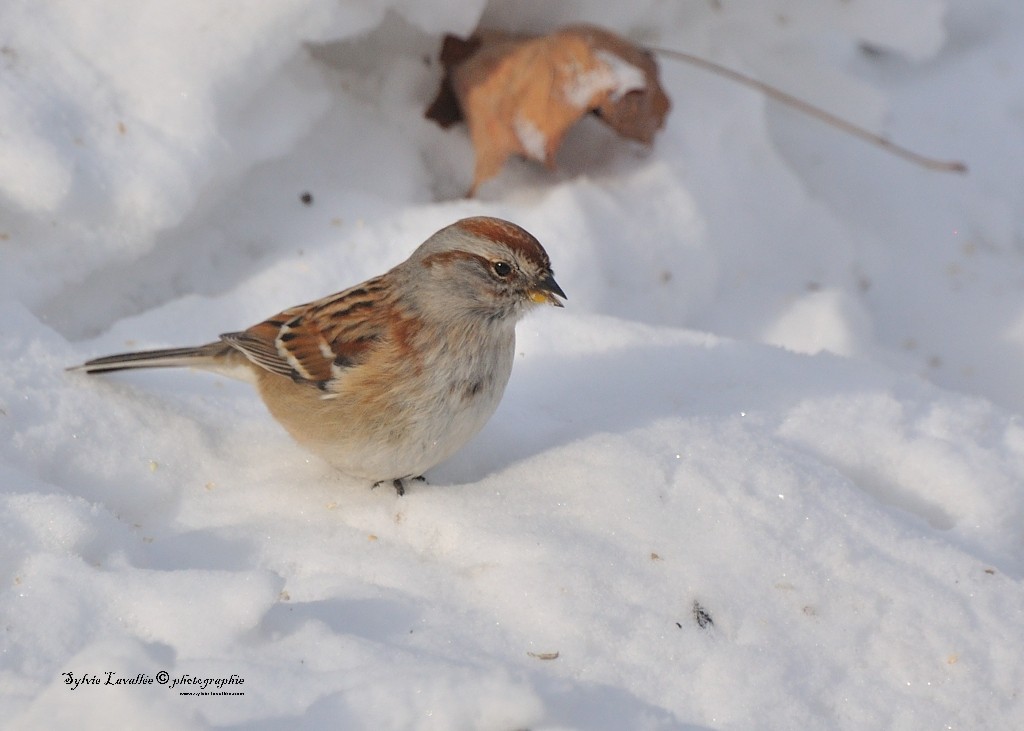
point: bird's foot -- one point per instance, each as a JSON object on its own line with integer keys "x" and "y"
{"x": 397, "y": 484}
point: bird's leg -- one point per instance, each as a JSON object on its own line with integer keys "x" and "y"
{"x": 397, "y": 484}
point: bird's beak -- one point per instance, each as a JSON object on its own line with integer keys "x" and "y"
{"x": 547, "y": 290}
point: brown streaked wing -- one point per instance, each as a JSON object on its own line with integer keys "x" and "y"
{"x": 312, "y": 343}
{"x": 261, "y": 352}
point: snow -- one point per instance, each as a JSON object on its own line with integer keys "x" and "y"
{"x": 612, "y": 74}
{"x": 785, "y": 393}
{"x": 627, "y": 76}
{"x": 530, "y": 137}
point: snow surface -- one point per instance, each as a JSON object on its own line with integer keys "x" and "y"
{"x": 785, "y": 395}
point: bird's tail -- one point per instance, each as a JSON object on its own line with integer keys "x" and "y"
{"x": 197, "y": 357}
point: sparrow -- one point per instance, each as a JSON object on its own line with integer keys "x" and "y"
{"x": 388, "y": 378}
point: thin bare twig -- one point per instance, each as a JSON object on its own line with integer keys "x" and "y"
{"x": 930, "y": 163}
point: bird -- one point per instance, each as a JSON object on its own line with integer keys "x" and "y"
{"x": 390, "y": 377}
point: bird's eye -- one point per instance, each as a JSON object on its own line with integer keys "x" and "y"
{"x": 502, "y": 268}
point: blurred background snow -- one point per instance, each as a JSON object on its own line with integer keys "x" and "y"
{"x": 785, "y": 393}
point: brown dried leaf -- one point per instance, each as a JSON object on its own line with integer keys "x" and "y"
{"x": 640, "y": 112}
{"x": 519, "y": 95}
